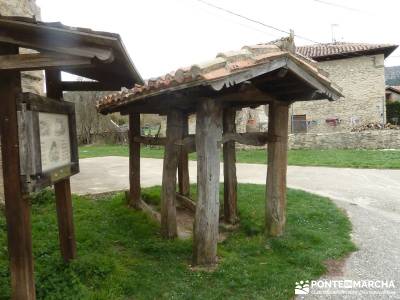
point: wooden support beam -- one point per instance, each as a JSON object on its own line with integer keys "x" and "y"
{"x": 89, "y": 86}
{"x": 62, "y": 188}
{"x": 249, "y": 138}
{"x": 208, "y": 135}
{"x": 230, "y": 180}
{"x": 66, "y": 229}
{"x": 183, "y": 166}
{"x": 171, "y": 155}
{"x": 148, "y": 140}
{"x": 275, "y": 215}
{"x": 41, "y": 61}
{"x": 17, "y": 207}
{"x": 134, "y": 160}
{"x": 188, "y": 142}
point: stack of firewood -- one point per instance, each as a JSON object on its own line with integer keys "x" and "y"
{"x": 375, "y": 126}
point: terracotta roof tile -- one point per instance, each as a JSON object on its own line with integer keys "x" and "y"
{"x": 224, "y": 65}
{"x": 330, "y": 50}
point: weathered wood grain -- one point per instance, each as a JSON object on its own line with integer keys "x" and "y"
{"x": 134, "y": 160}
{"x": 66, "y": 229}
{"x": 183, "y": 166}
{"x": 186, "y": 202}
{"x": 230, "y": 180}
{"x": 40, "y": 61}
{"x": 17, "y": 207}
{"x": 147, "y": 140}
{"x": 171, "y": 155}
{"x": 249, "y": 138}
{"x": 275, "y": 214}
{"x": 208, "y": 137}
{"x": 90, "y": 86}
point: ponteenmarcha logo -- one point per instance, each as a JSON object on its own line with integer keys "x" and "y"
{"x": 302, "y": 287}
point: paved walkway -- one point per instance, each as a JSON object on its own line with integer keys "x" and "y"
{"x": 370, "y": 197}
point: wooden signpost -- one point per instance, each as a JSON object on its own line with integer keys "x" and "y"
{"x": 38, "y": 134}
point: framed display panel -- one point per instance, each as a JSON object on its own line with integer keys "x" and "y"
{"x": 48, "y": 144}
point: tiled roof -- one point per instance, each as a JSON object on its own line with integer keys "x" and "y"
{"x": 394, "y": 88}
{"x": 337, "y": 50}
{"x": 225, "y": 65}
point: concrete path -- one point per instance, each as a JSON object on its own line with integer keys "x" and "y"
{"x": 370, "y": 197}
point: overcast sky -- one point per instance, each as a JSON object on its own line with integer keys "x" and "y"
{"x": 163, "y": 35}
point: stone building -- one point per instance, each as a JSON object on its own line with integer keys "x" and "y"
{"x": 31, "y": 81}
{"x": 359, "y": 70}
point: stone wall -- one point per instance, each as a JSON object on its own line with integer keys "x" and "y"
{"x": 31, "y": 81}
{"x": 363, "y": 82}
{"x": 374, "y": 139}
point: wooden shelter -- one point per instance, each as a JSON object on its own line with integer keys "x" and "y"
{"x": 95, "y": 55}
{"x": 256, "y": 75}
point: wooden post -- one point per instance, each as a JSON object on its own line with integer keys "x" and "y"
{"x": 208, "y": 137}
{"x": 275, "y": 216}
{"x": 134, "y": 161}
{"x": 171, "y": 156}
{"x": 17, "y": 208}
{"x": 183, "y": 166}
{"x": 62, "y": 188}
{"x": 230, "y": 181}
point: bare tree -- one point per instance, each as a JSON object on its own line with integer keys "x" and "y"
{"x": 89, "y": 121}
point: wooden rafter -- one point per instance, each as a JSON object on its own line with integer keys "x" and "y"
{"x": 40, "y": 61}
{"x": 70, "y": 86}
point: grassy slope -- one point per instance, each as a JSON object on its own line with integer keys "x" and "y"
{"x": 121, "y": 256}
{"x": 331, "y": 158}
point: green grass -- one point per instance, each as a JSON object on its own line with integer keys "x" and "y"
{"x": 121, "y": 255}
{"x": 331, "y": 158}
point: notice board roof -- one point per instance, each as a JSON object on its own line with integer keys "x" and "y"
{"x": 110, "y": 60}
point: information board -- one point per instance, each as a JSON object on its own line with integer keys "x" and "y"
{"x": 54, "y": 141}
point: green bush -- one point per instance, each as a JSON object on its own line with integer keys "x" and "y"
{"x": 393, "y": 112}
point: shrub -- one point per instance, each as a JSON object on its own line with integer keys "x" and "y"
{"x": 393, "y": 112}
{"x": 43, "y": 197}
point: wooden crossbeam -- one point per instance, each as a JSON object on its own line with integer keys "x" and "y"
{"x": 70, "y": 86}
{"x": 148, "y": 140}
{"x": 186, "y": 202}
{"x": 40, "y": 61}
{"x": 249, "y": 138}
{"x": 187, "y": 142}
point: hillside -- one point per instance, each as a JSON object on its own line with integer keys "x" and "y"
{"x": 392, "y": 75}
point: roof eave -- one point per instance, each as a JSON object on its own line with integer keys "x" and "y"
{"x": 386, "y": 51}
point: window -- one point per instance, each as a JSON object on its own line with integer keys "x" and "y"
{"x": 299, "y": 123}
